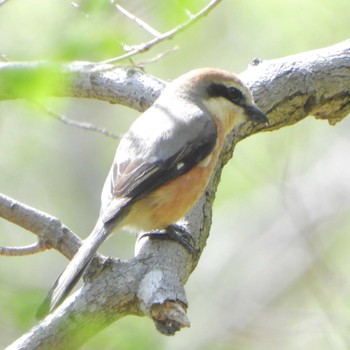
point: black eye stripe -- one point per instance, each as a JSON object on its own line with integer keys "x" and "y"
{"x": 231, "y": 93}
{"x": 235, "y": 95}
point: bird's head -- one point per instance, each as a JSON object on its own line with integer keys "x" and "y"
{"x": 224, "y": 95}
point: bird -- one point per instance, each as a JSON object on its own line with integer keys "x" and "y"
{"x": 163, "y": 163}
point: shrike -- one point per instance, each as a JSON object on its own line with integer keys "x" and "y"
{"x": 164, "y": 162}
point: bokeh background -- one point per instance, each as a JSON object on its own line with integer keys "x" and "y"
{"x": 275, "y": 272}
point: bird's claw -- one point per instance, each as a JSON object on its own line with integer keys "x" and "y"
{"x": 177, "y": 234}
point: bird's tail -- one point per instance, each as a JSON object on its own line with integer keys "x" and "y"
{"x": 74, "y": 270}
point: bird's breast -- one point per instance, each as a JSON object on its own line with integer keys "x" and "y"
{"x": 171, "y": 201}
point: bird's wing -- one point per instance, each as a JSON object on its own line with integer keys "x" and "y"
{"x": 156, "y": 163}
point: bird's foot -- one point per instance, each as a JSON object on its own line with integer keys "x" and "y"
{"x": 177, "y": 234}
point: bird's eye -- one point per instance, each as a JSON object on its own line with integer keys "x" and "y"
{"x": 235, "y": 95}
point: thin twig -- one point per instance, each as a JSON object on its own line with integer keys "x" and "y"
{"x": 2, "y": 2}
{"x": 138, "y": 21}
{"x": 50, "y": 231}
{"x": 25, "y": 250}
{"x": 158, "y": 57}
{"x": 165, "y": 36}
{"x": 76, "y": 124}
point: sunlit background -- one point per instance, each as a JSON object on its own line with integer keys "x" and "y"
{"x": 274, "y": 274}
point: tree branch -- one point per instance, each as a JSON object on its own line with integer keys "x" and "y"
{"x": 2, "y": 2}
{"x": 105, "y": 82}
{"x": 289, "y": 89}
{"x": 137, "y": 20}
{"x": 136, "y": 49}
{"x": 25, "y": 250}
{"x": 77, "y": 124}
{"x": 50, "y": 231}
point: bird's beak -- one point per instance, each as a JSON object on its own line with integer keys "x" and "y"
{"x": 254, "y": 114}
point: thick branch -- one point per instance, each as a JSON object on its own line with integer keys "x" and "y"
{"x": 288, "y": 89}
{"x": 104, "y": 82}
{"x": 309, "y": 81}
{"x": 312, "y": 83}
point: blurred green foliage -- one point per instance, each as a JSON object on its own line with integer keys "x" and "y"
{"x": 281, "y": 214}
{"x": 36, "y": 82}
